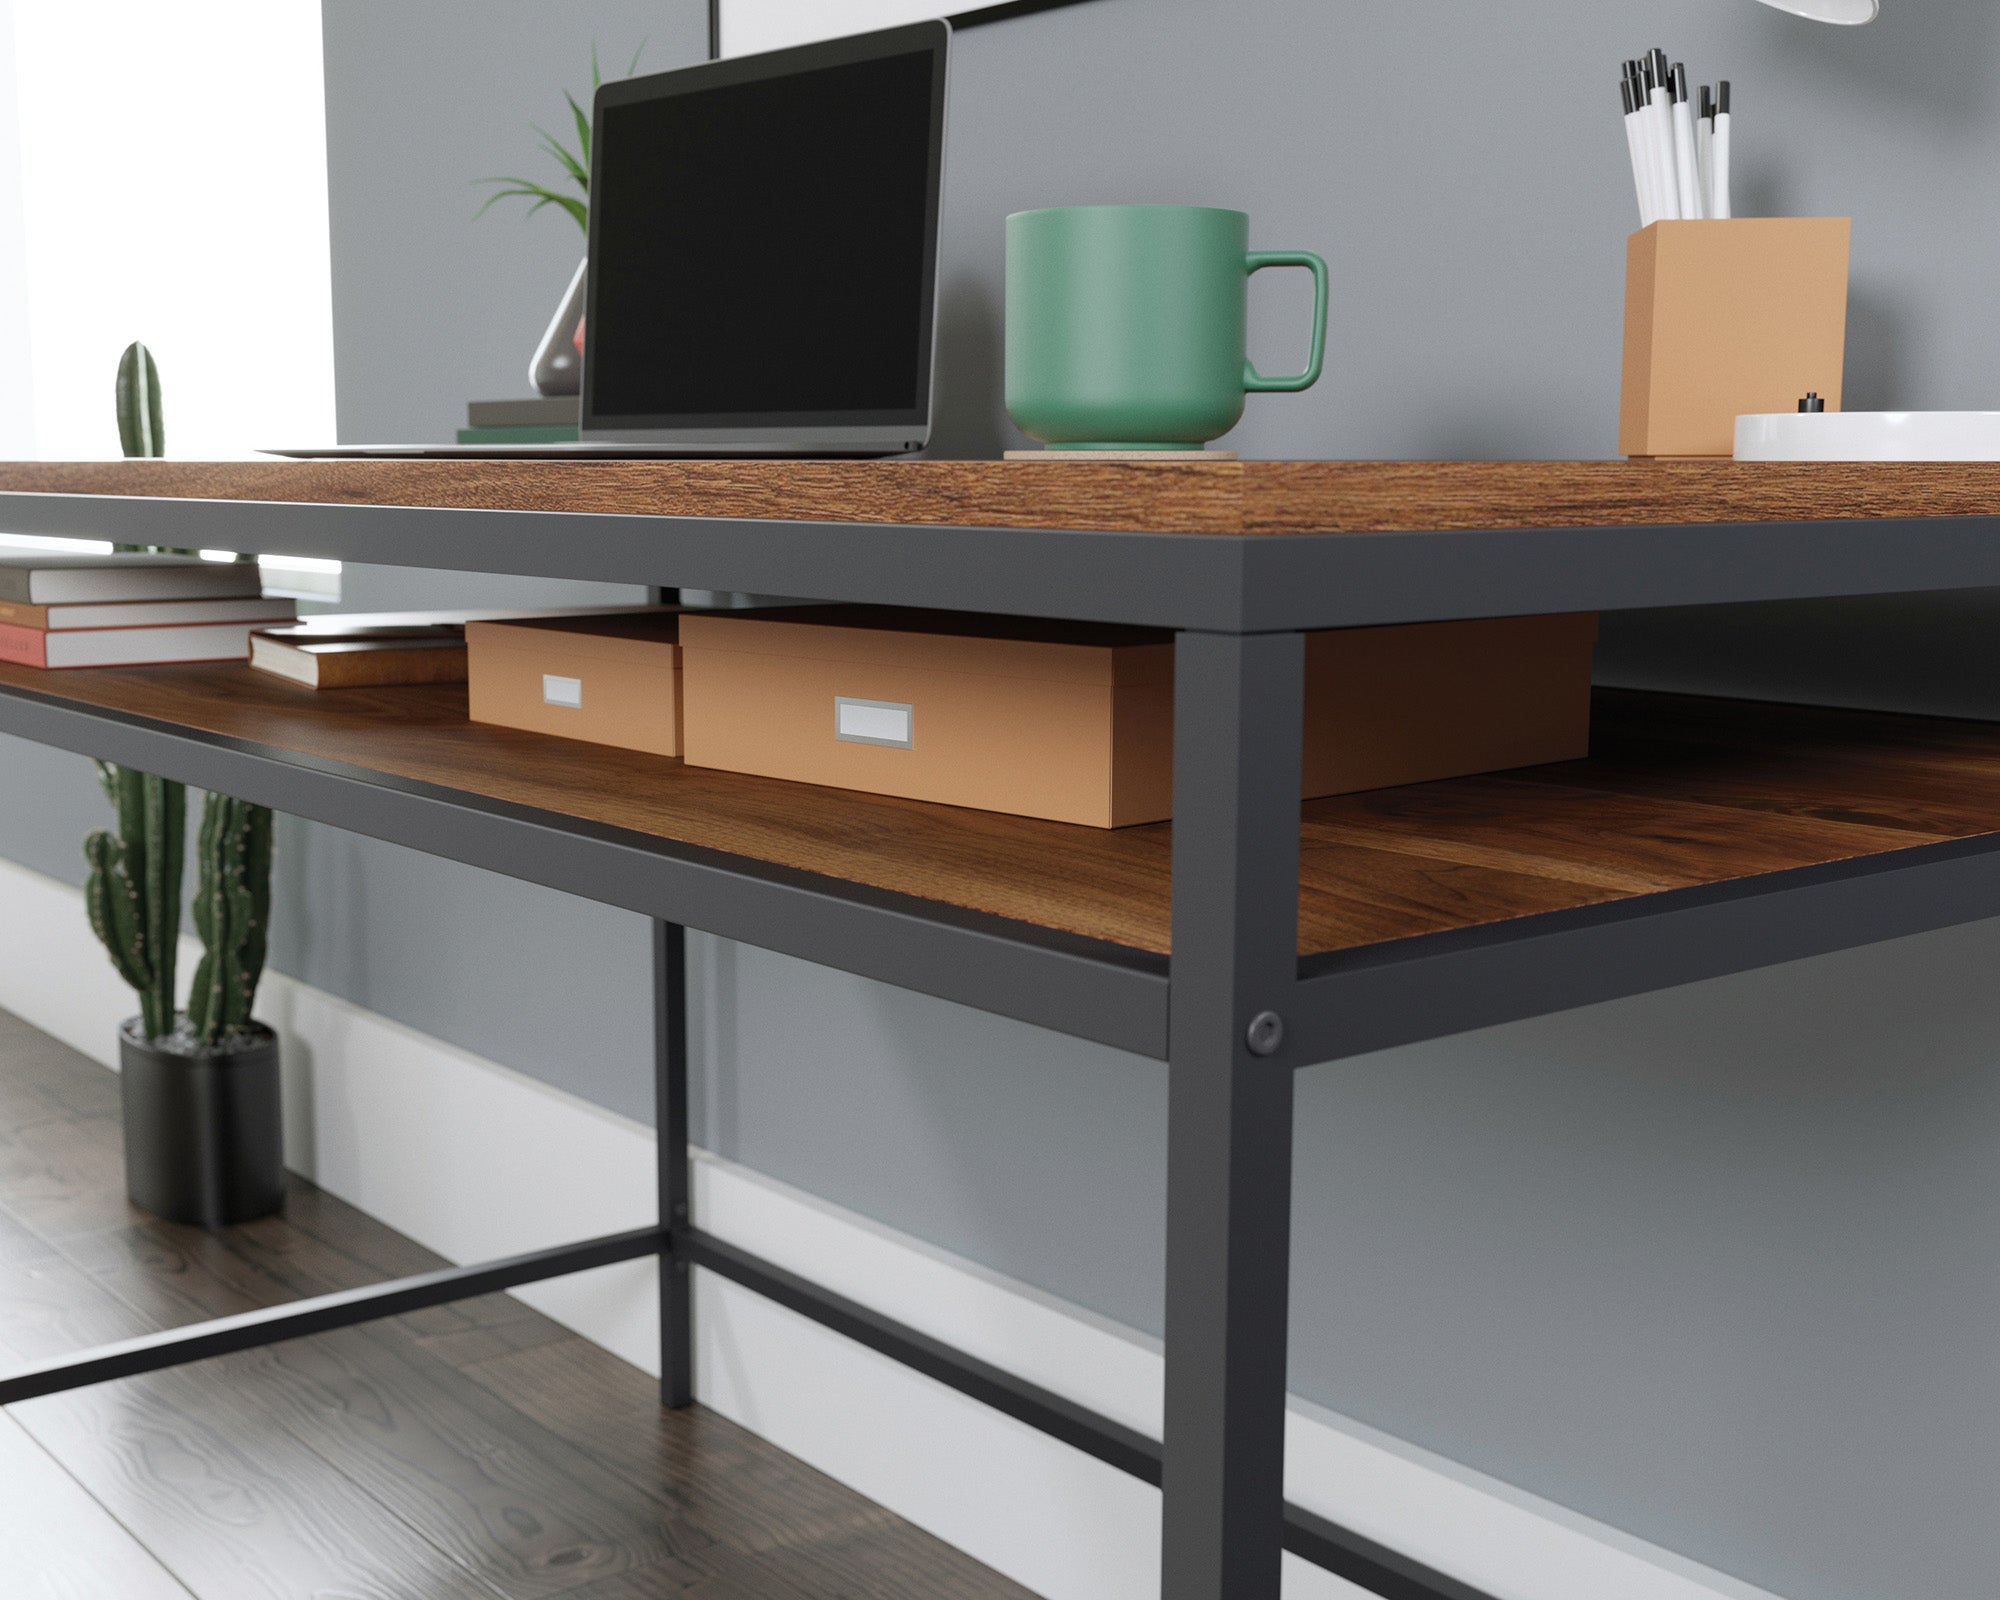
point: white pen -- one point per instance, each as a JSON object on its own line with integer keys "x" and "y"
{"x": 1686, "y": 173}
{"x": 1660, "y": 132}
{"x": 1632, "y": 148}
{"x": 1704, "y": 148}
{"x": 1635, "y": 79}
{"x": 1649, "y": 142}
{"x": 1719, "y": 158}
{"x": 1635, "y": 142}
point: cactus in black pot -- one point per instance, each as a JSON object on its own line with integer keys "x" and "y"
{"x": 203, "y": 1138}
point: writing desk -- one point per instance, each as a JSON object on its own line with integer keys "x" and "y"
{"x": 1251, "y": 937}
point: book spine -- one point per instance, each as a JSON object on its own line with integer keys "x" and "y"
{"x": 552, "y": 433}
{"x": 23, "y": 615}
{"x": 106, "y": 618}
{"x": 545, "y": 412}
{"x": 23, "y": 647}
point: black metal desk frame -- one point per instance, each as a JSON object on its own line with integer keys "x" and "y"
{"x": 1233, "y": 1013}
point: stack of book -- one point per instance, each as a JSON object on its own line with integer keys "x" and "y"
{"x": 546, "y": 419}
{"x": 365, "y": 650}
{"x": 121, "y": 610}
{"x": 373, "y": 649}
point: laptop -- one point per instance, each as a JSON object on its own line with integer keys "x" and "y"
{"x": 762, "y": 258}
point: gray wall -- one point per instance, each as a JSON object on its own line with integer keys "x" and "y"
{"x": 1461, "y": 166}
{"x": 1713, "y": 1265}
{"x": 433, "y": 308}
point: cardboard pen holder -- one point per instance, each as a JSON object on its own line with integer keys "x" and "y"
{"x": 1722, "y": 318}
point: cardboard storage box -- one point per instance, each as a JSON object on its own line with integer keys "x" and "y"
{"x": 608, "y": 677}
{"x": 1727, "y": 317}
{"x": 1075, "y": 722}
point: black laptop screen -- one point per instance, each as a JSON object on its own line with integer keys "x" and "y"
{"x": 762, "y": 252}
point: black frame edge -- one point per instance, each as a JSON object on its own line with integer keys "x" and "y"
{"x": 980, "y": 16}
{"x": 1348, "y": 1003}
{"x": 1308, "y": 1535}
{"x": 1086, "y": 988}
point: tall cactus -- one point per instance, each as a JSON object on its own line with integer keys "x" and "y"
{"x": 134, "y": 890}
{"x": 141, "y": 428}
{"x": 232, "y": 913}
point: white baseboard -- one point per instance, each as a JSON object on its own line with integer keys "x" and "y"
{"x": 477, "y": 1161}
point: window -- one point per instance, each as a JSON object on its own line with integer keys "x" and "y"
{"x": 163, "y": 177}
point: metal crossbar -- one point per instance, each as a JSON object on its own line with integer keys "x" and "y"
{"x": 1361, "y": 1561}
{"x": 1347, "y": 1554}
{"x": 253, "y": 1329}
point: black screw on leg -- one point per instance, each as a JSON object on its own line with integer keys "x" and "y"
{"x": 1265, "y": 1033}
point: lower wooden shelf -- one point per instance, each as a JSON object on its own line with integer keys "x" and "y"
{"x": 1678, "y": 792}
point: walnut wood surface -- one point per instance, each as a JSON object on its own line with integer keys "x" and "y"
{"x": 1678, "y": 792}
{"x": 476, "y": 1451}
{"x": 1273, "y": 497}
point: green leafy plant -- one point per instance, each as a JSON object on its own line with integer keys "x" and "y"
{"x": 575, "y": 163}
{"x": 133, "y": 893}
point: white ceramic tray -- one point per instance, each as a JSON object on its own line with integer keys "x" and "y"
{"x": 1869, "y": 436}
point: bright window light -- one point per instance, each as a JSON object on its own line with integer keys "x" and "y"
{"x": 173, "y": 190}
{"x": 295, "y": 564}
{"x": 301, "y": 578}
{"x": 752, "y": 25}
{"x": 185, "y": 207}
{"x": 36, "y": 541}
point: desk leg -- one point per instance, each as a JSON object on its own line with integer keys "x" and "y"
{"x": 670, "y": 1100}
{"x": 1238, "y": 724}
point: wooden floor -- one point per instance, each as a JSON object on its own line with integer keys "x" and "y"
{"x": 468, "y": 1453}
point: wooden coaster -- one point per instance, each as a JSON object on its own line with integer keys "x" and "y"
{"x": 1121, "y": 455}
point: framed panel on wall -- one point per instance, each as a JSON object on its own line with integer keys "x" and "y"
{"x": 742, "y": 27}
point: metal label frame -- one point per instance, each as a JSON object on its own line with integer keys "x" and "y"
{"x": 909, "y": 740}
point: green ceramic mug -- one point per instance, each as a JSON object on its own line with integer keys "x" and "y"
{"x": 1126, "y": 325}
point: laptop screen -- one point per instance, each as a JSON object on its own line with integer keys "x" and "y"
{"x": 763, "y": 239}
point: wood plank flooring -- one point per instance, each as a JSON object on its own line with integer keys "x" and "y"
{"x": 60, "y": 1544}
{"x": 470, "y": 1452}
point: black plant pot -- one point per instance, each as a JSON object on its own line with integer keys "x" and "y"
{"x": 203, "y": 1139}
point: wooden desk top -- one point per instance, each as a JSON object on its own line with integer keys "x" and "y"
{"x": 1226, "y": 497}
{"x": 1676, "y": 793}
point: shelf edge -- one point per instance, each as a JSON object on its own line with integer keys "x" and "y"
{"x": 1086, "y": 988}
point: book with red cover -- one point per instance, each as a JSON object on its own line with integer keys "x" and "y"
{"x": 124, "y": 647}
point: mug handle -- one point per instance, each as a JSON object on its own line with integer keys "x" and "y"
{"x": 1254, "y": 382}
